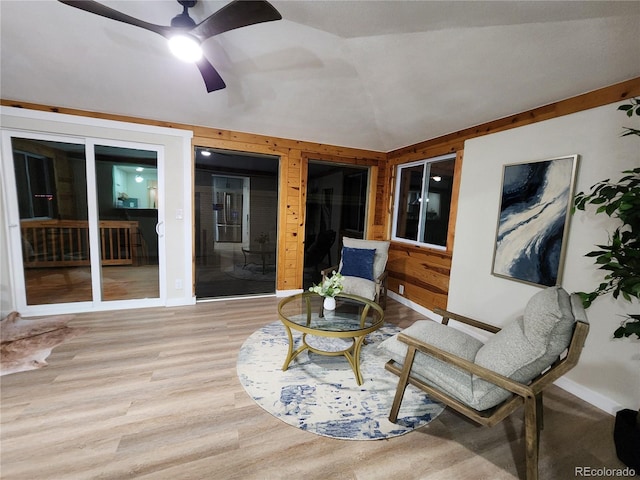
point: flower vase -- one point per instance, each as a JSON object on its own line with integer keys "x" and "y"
{"x": 329, "y": 303}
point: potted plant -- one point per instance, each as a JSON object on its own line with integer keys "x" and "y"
{"x": 620, "y": 260}
{"x": 328, "y": 289}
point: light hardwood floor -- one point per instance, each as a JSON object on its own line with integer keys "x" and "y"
{"x": 153, "y": 394}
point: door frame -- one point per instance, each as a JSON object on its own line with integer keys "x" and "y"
{"x": 14, "y": 244}
{"x": 179, "y": 168}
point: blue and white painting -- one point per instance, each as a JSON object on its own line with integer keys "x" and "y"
{"x": 533, "y": 220}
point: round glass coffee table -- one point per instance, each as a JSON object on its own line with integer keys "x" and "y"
{"x": 353, "y": 318}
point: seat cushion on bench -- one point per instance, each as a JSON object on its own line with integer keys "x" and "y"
{"x": 453, "y": 380}
{"x": 359, "y": 286}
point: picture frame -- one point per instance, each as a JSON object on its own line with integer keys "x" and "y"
{"x": 533, "y": 220}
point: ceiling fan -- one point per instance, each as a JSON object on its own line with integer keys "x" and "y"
{"x": 185, "y": 36}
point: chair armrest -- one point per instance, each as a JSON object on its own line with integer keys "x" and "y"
{"x": 446, "y": 316}
{"x": 383, "y": 276}
{"x": 482, "y": 372}
{"x": 327, "y": 271}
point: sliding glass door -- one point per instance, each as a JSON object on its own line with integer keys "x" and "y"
{"x": 127, "y": 194}
{"x": 83, "y": 220}
{"x": 236, "y": 212}
{"x": 53, "y": 232}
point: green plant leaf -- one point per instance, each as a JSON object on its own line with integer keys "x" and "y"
{"x": 627, "y": 329}
{"x": 619, "y": 259}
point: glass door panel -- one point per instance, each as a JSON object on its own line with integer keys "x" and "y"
{"x": 54, "y": 228}
{"x": 236, "y": 216}
{"x": 127, "y": 192}
{"x": 336, "y": 208}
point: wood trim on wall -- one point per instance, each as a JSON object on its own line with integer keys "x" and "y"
{"x": 455, "y": 193}
{"x": 234, "y": 140}
{"x": 294, "y": 157}
{"x": 455, "y": 141}
{"x": 422, "y": 271}
{"x": 293, "y": 172}
{"x": 374, "y": 227}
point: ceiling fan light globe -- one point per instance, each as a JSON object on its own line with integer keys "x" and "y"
{"x": 186, "y": 48}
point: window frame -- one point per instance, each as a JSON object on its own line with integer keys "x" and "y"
{"x": 426, "y": 163}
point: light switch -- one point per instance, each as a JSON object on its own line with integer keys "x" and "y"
{"x": 179, "y": 214}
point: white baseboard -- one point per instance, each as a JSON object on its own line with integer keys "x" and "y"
{"x": 414, "y": 306}
{"x": 180, "y": 302}
{"x": 583, "y": 393}
{"x": 594, "y": 398}
{"x": 288, "y": 293}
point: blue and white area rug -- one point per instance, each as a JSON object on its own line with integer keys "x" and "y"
{"x": 320, "y": 393}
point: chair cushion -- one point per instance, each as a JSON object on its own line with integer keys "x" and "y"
{"x": 359, "y": 286}
{"x": 381, "y": 256}
{"x": 358, "y": 262}
{"x": 453, "y": 380}
{"x": 526, "y": 347}
{"x": 521, "y": 350}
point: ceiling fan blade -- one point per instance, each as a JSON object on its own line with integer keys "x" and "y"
{"x": 212, "y": 79}
{"x": 239, "y": 13}
{"x": 104, "y": 11}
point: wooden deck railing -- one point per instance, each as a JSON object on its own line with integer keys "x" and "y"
{"x": 65, "y": 243}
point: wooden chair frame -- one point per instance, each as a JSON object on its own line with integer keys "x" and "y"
{"x": 528, "y": 395}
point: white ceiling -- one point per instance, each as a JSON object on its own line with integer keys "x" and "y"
{"x": 377, "y": 75}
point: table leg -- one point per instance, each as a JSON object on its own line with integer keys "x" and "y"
{"x": 354, "y": 358}
{"x": 291, "y": 354}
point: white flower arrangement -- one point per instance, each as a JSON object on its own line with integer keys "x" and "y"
{"x": 330, "y": 287}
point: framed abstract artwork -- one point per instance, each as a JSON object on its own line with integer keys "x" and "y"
{"x": 535, "y": 205}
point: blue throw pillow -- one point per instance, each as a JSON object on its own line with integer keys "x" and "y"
{"x": 358, "y": 262}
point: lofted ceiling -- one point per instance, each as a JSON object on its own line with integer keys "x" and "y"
{"x": 377, "y": 75}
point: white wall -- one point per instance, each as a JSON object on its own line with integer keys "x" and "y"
{"x": 608, "y": 374}
{"x": 176, "y": 145}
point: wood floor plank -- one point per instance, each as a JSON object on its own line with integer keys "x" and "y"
{"x": 154, "y": 394}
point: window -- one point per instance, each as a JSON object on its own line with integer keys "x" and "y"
{"x": 423, "y": 201}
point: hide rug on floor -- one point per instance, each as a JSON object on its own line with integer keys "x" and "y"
{"x": 25, "y": 344}
{"x": 320, "y": 394}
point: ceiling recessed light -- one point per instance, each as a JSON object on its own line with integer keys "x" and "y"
{"x": 436, "y": 178}
{"x": 205, "y": 153}
{"x": 139, "y": 169}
